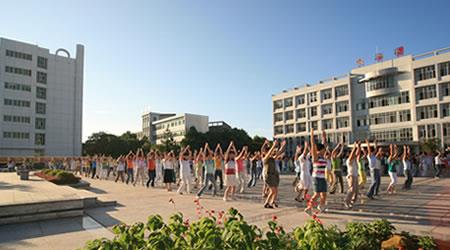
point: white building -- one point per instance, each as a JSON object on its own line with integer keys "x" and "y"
{"x": 148, "y": 128}
{"x": 179, "y": 125}
{"x": 406, "y": 99}
{"x": 41, "y": 100}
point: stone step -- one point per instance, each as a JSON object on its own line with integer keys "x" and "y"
{"x": 11, "y": 210}
{"x": 41, "y": 216}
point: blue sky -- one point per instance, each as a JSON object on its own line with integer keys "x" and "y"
{"x": 219, "y": 58}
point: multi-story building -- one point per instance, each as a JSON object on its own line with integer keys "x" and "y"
{"x": 406, "y": 99}
{"x": 41, "y": 100}
{"x": 218, "y": 126}
{"x": 179, "y": 125}
{"x": 148, "y": 128}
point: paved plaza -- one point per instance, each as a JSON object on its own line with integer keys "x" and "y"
{"x": 423, "y": 210}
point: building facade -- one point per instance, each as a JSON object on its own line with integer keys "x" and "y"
{"x": 406, "y": 99}
{"x": 41, "y": 100}
{"x": 179, "y": 125}
{"x": 148, "y": 128}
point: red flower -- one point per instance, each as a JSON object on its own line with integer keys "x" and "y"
{"x": 212, "y": 211}
{"x": 274, "y": 217}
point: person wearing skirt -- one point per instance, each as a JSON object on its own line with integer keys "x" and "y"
{"x": 169, "y": 173}
{"x": 230, "y": 180}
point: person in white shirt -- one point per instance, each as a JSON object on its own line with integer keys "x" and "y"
{"x": 185, "y": 170}
{"x": 352, "y": 176}
{"x": 407, "y": 169}
{"x": 169, "y": 173}
{"x": 305, "y": 181}
{"x": 140, "y": 167}
{"x": 374, "y": 156}
{"x": 120, "y": 169}
{"x": 438, "y": 165}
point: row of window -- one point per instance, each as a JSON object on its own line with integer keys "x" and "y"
{"x": 312, "y": 97}
{"x": 404, "y": 134}
{"x": 18, "y": 71}
{"x": 39, "y": 122}
{"x": 171, "y": 124}
{"x": 426, "y": 92}
{"x": 16, "y": 119}
{"x": 19, "y": 55}
{"x": 383, "y": 101}
{"x": 41, "y": 93}
{"x": 301, "y": 113}
{"x": 384, "y": 82}
{"x": 17, "y": 86}
{"x": 390, "y": 117}
{"x": 429, "y": 72}
{"x": 17, "y": 103}
{"x": 39, "y": 138}
{"x": 427, "y": 112}
{"x": 40, "y": 107}
{"x": 342, "y": 122}
{"x": 42, "y": 62}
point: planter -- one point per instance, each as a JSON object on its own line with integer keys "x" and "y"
{"x": 24, "y": 174}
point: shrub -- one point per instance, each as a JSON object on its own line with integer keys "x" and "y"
{"x": 58, "y": 176}
{"x": 231, "y": 231}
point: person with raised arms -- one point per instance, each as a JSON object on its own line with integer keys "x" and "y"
{"x": 271, "y": 174}
{"x": 321, "y": 168}
{"x": 336, "y": 167}
{"x": 352, "y": 176}
{"x": 230, "y": 172}
{"x": 305, "y": 182}
{"x": 218, "y": 163}
{"x": 185, "y": 170}
{"x": 392, "y": 168}
{"x": 209, "y": 171}
{"x": 374, "y": 157}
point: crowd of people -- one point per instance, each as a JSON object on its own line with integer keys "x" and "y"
{"x": 320, "y": 169}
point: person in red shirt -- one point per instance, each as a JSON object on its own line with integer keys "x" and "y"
{"x": 151, "y": 167}
{"x": 130, "y": 165}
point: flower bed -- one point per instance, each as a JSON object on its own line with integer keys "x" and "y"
{"x": 220, "y": 230}
{"x": 59, "y": 177}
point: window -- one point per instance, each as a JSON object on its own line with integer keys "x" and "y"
{"x": 312, "y": 97}
{"x": 289, "y": 115}
{"x": 301, "y": 113}
{"x": 41, "y": 77}
{"x": 384, "y": 82}
{"x": 39, "y": 139}
{"x": 327, "y": 109}
{"x": 42, "y": 62}
{"x": 422, "y": 132}
{"x": 431, "y": 131}
{"x": 17, "y": 103}
{"x": 40, "y": 123}
{"x": 362, "y": 121}
{"x": 382, "y": 101}
{"x": 445, "y": 108}
{"x": 341, "y": 106}
{"x": 301, "y": 127}
{"x": 383, "y": 118}
{"x": 288, "y": 102}
{"x": 426, "y": 112}
{"x": 16, "y": 119}
{"x": 20, "y": 55}
{"x": 289, "y": 128}
{"x": 404, "y": 115}
{"x": 17, "y": 86}
{"x": 277, "y": 104}
{"x": 445, "y": 89}
{"x": 341, "y": 90}
{"x": 40, "y": 108}
{"x": 278, "y": 130}
{"x": 41, "y": 93}
{"x": 314, "y": 125}
{"x": 278, "y": 117}
{"x": 326, "y": 94}
{"x": 312, "y": 111}
{"x": 327, "y": 124}
{"x": 425, "y": 73}
{"x": 361, "y": 105}
{"x": 16, "y": 135}
{"x": 427, "y": 92}
{"x": 18, "y": 71}
{"x": 342, "y": 122}
{"x": 446, "y": 129}
{"x": 300, "y": 100}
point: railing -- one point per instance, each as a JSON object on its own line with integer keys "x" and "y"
{"x": 431, "y": 53}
